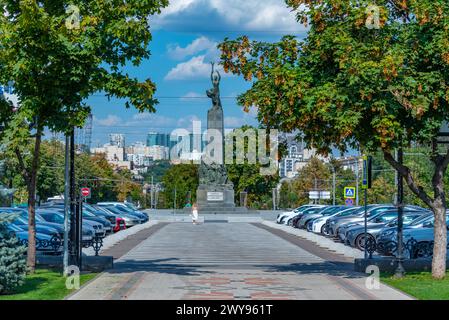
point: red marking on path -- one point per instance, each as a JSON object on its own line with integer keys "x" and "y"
{"x": 262, "y": 281}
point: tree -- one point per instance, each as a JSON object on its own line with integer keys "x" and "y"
{"x": 184, "y": 179}
{"x": 247, "y": 177}
{"x": 314, "y": 175}
{"x": 368, "y": 77}
{"x": 12, "y": 260}
{"x": 55, "y": 60}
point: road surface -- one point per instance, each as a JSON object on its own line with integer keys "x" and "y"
{"x": 218, "y": 260}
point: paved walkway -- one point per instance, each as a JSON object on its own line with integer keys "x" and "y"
{"x": 226, "y": 261}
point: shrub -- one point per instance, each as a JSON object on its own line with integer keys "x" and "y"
{"x": 12, "y": 260}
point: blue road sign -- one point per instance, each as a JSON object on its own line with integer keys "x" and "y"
{"x": 350, "y": 192}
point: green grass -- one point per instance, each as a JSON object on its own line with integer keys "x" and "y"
{"x": 44, "y": 285}
{"x": 420, "y": 285}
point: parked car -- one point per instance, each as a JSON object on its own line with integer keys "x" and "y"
{"x": 357, "y": 216}
{"x": 121, "y": 207}
{"x": 23, "y": 213}
{"x": 355, "y": 235}
{"x": 282, "y": 217}
{"x": 88, "y": 231}
{"x": 319, "y": 225}
{"x": 120, "y": 223}
{"x": 424, "y": 236}
{"x": 389, "y": 235}
{"x": 294, "y": 218}
{"x": 306, "y": 218}
{"x": 130, "y": 220}
{"x": 42, "y": 240}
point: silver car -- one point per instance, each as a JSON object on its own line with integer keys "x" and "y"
{"x": 355, "y": 236}
{"x": 359, "y": 215}
{"x": 328, "y": 211}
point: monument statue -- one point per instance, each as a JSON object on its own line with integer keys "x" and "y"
{"x": 215, "y": 189}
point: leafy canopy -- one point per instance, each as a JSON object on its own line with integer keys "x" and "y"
{"x": 347, "y": 84}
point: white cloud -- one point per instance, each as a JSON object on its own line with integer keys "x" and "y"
{"x": 150, "y": 120}
{"x": 250, "y": 15}
{"x": 198, "y": 45}
{"x": 109, "y": 121}
{"x": 196, "y": 68}
{"x": 192, "y": 95}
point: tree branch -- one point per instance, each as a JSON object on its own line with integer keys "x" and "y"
{"x": 404, "y": 171}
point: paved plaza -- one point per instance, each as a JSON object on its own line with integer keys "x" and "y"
{"x": 219, "y": 259}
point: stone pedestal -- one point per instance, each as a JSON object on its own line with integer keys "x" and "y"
{"x": 215, "y": 197}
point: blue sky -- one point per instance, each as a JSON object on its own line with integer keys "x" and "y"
{"x": 184, "y": 42}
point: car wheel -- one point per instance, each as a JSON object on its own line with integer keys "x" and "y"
{"x": 323, "y": 229}
{"x": 360, "y": 241}
{"x": 289, "y": 222}
{"x": 421, "y": 251}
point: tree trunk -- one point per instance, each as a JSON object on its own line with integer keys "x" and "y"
{"x": 437, "y": 203}
{"x": 440, "y": 242}
{"x": 32, "y": 183}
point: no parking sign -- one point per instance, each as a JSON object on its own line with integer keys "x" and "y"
{"x": 349, "y": 202}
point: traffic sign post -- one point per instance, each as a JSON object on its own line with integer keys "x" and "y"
{"x": 366, "y": 184}
{"x": 85, "y": 192}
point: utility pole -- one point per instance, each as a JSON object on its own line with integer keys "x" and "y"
{"x": 357, "y": 181}
{"x": 333, "y": 185}
{"x": 73, "y": 225}
{"x": 66, "y": 205}
{"x": 152, "y": 194}
{"x": 399, "y": 273}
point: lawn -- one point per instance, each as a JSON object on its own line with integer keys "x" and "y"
{"x": 420, "y": 285}
{"x": 44, "y": 285}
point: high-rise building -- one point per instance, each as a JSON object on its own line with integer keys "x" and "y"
{"x": 117, "y": 139}
{"x": 158, "y": 139}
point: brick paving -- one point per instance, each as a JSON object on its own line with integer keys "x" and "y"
{"x": 228, "y": 261}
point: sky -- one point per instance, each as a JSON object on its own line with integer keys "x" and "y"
{"x": 185, "y": 36}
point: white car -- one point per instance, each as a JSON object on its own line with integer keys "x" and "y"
{"x": 318, "y": 224}
{"x": 284, "y": 217}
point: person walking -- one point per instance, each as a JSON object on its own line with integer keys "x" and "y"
{"x": 195, "y": 213}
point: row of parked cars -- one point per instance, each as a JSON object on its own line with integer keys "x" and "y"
{"x": 98, "y": 221}
{"x": 347, "y": 225}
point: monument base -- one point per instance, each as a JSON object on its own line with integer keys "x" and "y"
{"x": 215, "y": 198}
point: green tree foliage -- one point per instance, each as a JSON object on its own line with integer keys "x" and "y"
{"x": 157, "y": 171}
{"x": 93, "y": 171}
{"x": 247, "y": 177}
{"x": 12, "y": 259}
{"x": 56, "y": 56}
{"x": 356, "y": 83}
{"x": 183, "y": 178}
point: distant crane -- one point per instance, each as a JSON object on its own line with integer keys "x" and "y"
{"x": 84, "y": 136}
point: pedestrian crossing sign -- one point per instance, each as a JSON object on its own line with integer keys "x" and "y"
{"x": 350, "y": 193}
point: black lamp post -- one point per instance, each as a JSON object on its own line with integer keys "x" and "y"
{"x": 400, "y": 271}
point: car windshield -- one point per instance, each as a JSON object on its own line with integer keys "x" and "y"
{"x": 330, "y": 210}
{"x": 131, "y": 206}
{"x": 384, "y": 217}
{"x": 55, "y": 217}
{"x": 376, "y": 211}
{"x": 113, "y": 210}
{"x": 432, "y": 221}
{"x": 123, "y": 209}
{"x": 421, "y": 219}
{"x": 407, "y": 220}
{"x": 347, "y": 212}
{"x": 13, "y": 227}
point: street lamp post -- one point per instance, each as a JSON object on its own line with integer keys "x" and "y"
{"x": 400, "y": 268}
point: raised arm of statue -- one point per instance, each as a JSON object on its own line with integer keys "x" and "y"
{"x": 212, "y": 72}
